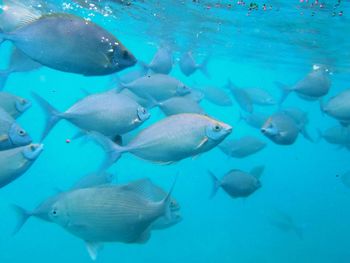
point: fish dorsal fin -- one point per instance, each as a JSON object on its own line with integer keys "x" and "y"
{"x": 143, "y": 187}
{"x": 257, "y": 171}
{"x": 18, "y": 13}
{"x": 93, "y": 248}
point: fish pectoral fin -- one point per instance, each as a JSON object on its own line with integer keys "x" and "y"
{"x": 144, "y": 237}
{"x": 202, "y": 142}
{"x": 93, "y": 248}
{"x": 3, "y": 138}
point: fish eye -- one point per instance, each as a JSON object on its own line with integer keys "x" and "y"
{"x": 54, "y": 212}
{"x": 23, "y": 101}
{"x": 21, "y": 132}
{"x": 217, "y": 128}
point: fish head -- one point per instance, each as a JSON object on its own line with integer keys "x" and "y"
{"x": 32, "y": 151}
{"x": 143, "y": 114}
{"x": 174, "y": 205}
{"x": 217, "y": 131}
{"x": 22, "y": 105}
{"x": 18, "y": 135}
{"x": 182, "y": 89}
{"x": 269, "y": 128}
{"x": 58, "y": 213}
{"x": 122, "y": 58}
{"x": 44, "y": 209}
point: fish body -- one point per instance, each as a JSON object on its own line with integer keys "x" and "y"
{"x": 242, "y": 147}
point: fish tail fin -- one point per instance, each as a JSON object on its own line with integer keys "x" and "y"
{"x": 285, "y": 91}
{"x": 53, "y": 116}
{"x": 4, "y": 74}
{"x": 112, "y": 150}
{"x": 229, "y": 85}
{"x": 216, "y": 184}
{"x": 257, "y": 171}
{"x": 144, "y": 66}
{"x": 203, "y": 67}
{"x": 165, "y": 203}
{"x": 22, "y": 215}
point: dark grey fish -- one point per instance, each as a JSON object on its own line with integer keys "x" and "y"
{"x": 281, "y": 129}
{"x": 315, "y": 85}
{"x": 108, "y": 113}
{"x": 13, "y": 104}
{"x": 260, "y": 96}
{"x": 286, "y": 223}
{"x": 71, "y": 44}
{"x": 15, "y": 162}
{"x": 338, "y": 106}
{"x": 11, "y": 133}
{"x": 178, "y": 105}
{"x": 301, "y": 118}
{"x": 338, "y": 135}
{"x": 243, "y": 147}
{"x": 170, "y": 140}
{"x": 237, "y": 183}
{"x": 189, "y": 66}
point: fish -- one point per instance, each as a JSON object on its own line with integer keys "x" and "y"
{"x": 158, "y": 87}
{"x": 42, "y": 211}
{"x": 188, "y": 65}
{"x": 286, "y": 223}
{"x": 313, "y": 86}
{"x": 11, "y": 133}
{"x": 242, "y": 147}
{"x": 169, "y": 140}
{"x": 70, "y": 43}
{"x": 338, "y": 135}
{"x": 255, "y": 120}
{"x": 260, "y": 96}
{"x": 106, "y": 214}
{"x": 281, "y": 129}
{"x": 162, "y": 61}
{"x": 338, "y": 106}
{"x": 241, "y": 97}
{"x": 15, "y": 162}
{"x": 237, "y": 183}
{"x": 109, "y": 113}
{"x": 146, "y": 103}
{"x": 13, "y": 104}
{"x": 19, "y": 62}
{"x": 217, "y": 96}
{"x": 178, "y": 105}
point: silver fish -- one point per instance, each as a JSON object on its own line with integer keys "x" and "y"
{"x": 159, "y": 87}
{"x": 15, "y": 162}
{"x": 255, "y": 120}
{"x": 338, "y": 135}
{"x": 106, "y": 214}
{"x": 13, "y": 104}
{"x": 177, "y": 105}
{"x": 71, "y": 44}
{"x": 237, "y": 183}
{"x": 108, "y": 113}
{"x": 217, "y": 96}
{"x": 242, "y": 147}
{"x": 240, "y": 96}
{"x": 170, "y": 140}
{"x": 315, "y": 85}
{"x": 93, "y": 179}
{"x": 189, "y": 66}
{"x": 162, "y": 61}
{"x": 260, "y": 96}
{"x": 338, "y": 106}
{"x": 19, "y": 62}
{"x": 11, "y": 133}
{"x": 281, "y": 129}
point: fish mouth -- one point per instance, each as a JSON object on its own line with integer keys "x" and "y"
{"x": 23, "y": 105}
{"x": 31, "y": 152}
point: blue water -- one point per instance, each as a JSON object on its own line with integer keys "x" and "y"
{"x": 254, "y": 51}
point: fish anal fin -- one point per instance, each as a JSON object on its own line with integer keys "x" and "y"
{"x": 93, "y": 248}
{"x": 144, "y": 237}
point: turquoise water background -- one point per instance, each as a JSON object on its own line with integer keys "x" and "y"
{"x": 300, "y": 179}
